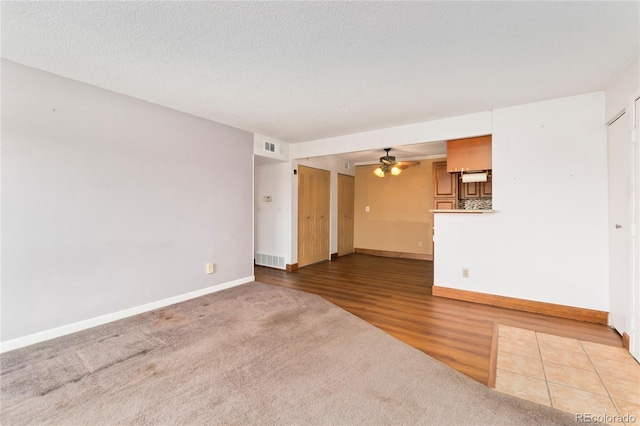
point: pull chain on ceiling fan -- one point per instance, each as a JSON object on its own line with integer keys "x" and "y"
{"x": 389, "y": 165}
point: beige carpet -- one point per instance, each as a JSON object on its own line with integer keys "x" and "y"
{"x": 254, "y": 354}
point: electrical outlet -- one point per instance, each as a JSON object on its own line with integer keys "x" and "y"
{"x": 211, "y": 268}
{"x": 465, "y": 272}
{"x": 419, "y": 243}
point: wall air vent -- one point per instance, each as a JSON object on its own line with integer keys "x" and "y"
{"x": 270, "y": 260}
{"x": 271, "y": 147}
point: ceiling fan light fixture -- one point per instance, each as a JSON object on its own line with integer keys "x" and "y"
{"x": 389, "y": 165}
{"x": 388, "y": 160}
{"x": 379, "y": 172}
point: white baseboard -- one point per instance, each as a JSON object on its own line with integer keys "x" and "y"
{"x": 103, "y": 319}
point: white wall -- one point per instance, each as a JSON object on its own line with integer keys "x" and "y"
{"x": 273, "y": 176}
{"x": 619, "y": 92}
{"x": 283, "y": 152}
{"x": 548, "y": 239}
{"x": 273, "y": 219}
{"x": 429, "y": 131}
{"x": 110, "y": 202}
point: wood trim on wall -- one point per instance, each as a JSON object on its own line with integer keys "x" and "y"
{"x": 561, "y": 311}
{"x": 334, "y": 256}
{"x": 388, "y": 253}
{"x": 625, "y": 340}
{"x": 291, "y": 267}
{"x": 493, "y": 357}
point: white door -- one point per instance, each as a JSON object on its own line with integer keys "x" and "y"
{"x": 620, "y": 218}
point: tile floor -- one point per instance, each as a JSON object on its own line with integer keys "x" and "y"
{"x": 571, "y": 375}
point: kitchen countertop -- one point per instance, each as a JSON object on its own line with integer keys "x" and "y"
{"x": 461, "y": 211}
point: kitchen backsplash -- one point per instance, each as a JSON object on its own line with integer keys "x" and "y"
{"x": 475, "y": 204}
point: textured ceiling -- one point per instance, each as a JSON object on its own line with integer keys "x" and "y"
{"x": 300, "y": 71}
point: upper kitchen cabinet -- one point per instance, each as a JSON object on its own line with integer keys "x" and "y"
{"x": 445, "y": 184}
{"x": 468, "y": 155}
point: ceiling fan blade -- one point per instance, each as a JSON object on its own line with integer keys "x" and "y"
{"x": 401, "y": 166}
{"x": 406, "y": 164}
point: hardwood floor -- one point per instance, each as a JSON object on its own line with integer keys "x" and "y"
{"x": 395, "y": 296}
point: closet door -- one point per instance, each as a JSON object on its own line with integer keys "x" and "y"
{"x": 313, "y": 215}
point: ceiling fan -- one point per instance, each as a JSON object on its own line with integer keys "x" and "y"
{"x": 388, "y": 164}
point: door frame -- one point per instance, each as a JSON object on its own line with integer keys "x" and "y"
{"x": 634, "y": 337}
{"x": 631, "y": 328}
{"x": 353, "y": 178}
{"x": 619, "y": 171}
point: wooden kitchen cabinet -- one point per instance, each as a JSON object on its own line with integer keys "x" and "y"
{"x": 470, "y": 190}
{"x": 445, "y": 203}
{"x": 471, "y": 154}
{"x": 445, "y": 185}
{"x": 476, "y": 189}
{"x": 486, "y": 189}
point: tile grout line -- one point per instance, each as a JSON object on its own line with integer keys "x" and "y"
{"x": 564, "y": 385}
{"x": 600, "y": 378}
{"x": 570, "y": 352}
{"x": 520, "y": 374}
{"x": 544, "y": 371}
{"x": 518, "y": 340}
